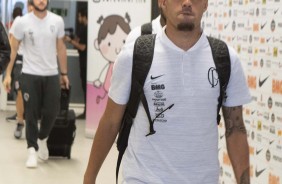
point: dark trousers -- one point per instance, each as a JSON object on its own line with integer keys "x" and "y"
{"x": 41, "y": 95}
{"x": 83, "y": 75}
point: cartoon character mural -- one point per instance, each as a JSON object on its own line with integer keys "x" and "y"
{"x": 111, "y": 37}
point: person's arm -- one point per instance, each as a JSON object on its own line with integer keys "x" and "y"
{"x": 14, "y": 49}
{"x": 104, "y": 138}
{"x": 5, "y": 49}
{"x": 76, "y": 43}
{"x": 62, "y": 56}
{"x": 237, "y": 144}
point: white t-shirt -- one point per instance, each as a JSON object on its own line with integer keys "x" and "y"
{"x": 184, "y": 148}
{"x": 20, "y": 50}
{"x": 39, "y": 38}
{"x": 136, "y": 32}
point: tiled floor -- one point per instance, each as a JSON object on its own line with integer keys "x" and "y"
{"x": 13, "y": 154}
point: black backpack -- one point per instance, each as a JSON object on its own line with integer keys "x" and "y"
{"x": 142, "y": 60}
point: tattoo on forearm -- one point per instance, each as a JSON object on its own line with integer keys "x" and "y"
{"x": 245, "y": 177}
{"x": 233, "y": 120}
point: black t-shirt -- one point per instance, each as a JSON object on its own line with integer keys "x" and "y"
{"x": 82, "y": 35}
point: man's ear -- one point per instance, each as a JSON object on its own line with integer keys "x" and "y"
{"x": 161, "y": 3}
{"x": 206, "y": 5}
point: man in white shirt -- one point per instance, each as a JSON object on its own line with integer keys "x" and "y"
{"x": 41, "y": 33}
{"x": 184, "y": 148}
{"x": 16, "y": 73}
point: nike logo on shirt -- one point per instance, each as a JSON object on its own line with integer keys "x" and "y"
{"x": 155, "y": 77}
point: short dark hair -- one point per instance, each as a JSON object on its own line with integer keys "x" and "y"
{"x": 17, "y": 12}
{"x": 83, "y": 12}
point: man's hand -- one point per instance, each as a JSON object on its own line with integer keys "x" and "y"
{"x": 65, "y": 82}
{"x": 67, "y": 39}
{"x": 7, "y": 83}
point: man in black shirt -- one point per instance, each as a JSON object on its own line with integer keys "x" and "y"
{"x": 80, "y": 43}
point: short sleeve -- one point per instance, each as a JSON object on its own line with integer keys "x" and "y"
{"x": 121, "y": 78}
{"x": 133, "y": 35}
{"x": 16, "y": 29}
{"x": 61, "y": 28}
{"x": 237, "y": 90}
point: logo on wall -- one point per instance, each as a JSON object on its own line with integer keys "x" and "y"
{"x": 261, "y": 82}
{"x": 263, "y": 25}
{"x": 233, "y": 25}
{"x": 267, "y": 155}
{"x": 276, "y": 86}
{"x": 272, "y": 25}
{"x": 259, "y": 172}
{"x": 111, "y": 37}
{"x": 261, "y": 63}
{"x": 273, "y": 179}
{"x": 269, "y": 102}
{"x": 275, "y": 51}
{"x": 252, "y": 82}
{"x": 253, "y": 135}
{"x": 272, "y": 118}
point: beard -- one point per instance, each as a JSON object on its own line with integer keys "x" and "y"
{"x": 40, "y": 10}
{"x": 186, "y": 26}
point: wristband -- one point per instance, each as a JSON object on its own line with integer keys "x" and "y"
{"x": 63, "y": 73}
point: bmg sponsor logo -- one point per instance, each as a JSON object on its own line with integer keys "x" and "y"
{"x": 158, "y": 87}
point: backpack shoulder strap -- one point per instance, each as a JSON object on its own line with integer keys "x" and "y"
{"x": 146, "y": 28}
{"x": 142, "y": 60}
{"x": 221, "y": 59}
